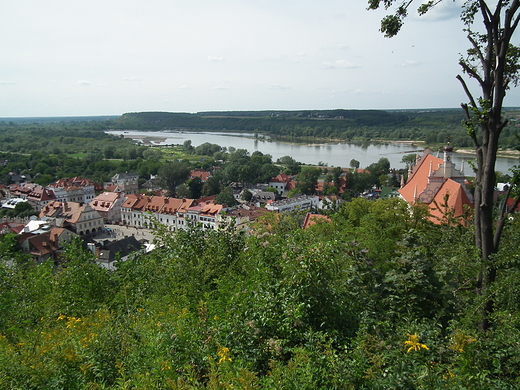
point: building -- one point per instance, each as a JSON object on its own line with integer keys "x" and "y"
{"x": 304, "y": 202}
{"x": 35, "y": 194}
{"x": 46, "y": 243}
{"x": 436, "y": 183}
{"x": 77, "y": 217}
{"x": 282, "y": 184}
{"x": 108, "y": 205}
{"x": 128, "y": 183}
{"x": 242, "y": 216}
{"x": 201, "y": 174}
{"x": 143, "y": 211}
{"x": 74, "y": 189}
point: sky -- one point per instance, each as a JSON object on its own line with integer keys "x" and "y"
{"x": 108, "y": 57}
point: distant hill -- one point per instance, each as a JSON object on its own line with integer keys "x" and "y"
{"x": 59, "y": 119}
{"x": 262, "y": 121}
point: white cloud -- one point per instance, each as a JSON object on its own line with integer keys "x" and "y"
{"x": 410, "y": 63}
{"x": 7, "y": 83}
{"x": 215, "y": 59}
{"x": 184, "y": 86}
{"x": 278, "y": 86}
{"x": 83, "y": 82}
{"x": 130, "y": 79}
{"x": 220, "y": 88}
{"x": 341, "y": 64}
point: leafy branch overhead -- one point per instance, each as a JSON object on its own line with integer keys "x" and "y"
{"x": 493, "y": 62}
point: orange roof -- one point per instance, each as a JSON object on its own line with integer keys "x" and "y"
{"x": 281, "y": 178}
{"x": 456, "y": 201}
{"x": 418, "y": 179}
{"x": 311, "y": 219}
{"x": 200, "y": 173}
{"x": 155, "y": 203}
{"x": 130, "y": 200}
{"x": 171, "y": 205}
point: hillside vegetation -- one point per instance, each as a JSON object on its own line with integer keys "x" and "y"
{"x": 430, "y": 126}
{"x": 379, "y": 298}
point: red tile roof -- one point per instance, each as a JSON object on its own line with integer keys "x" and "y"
{"x": 430, "y": 181}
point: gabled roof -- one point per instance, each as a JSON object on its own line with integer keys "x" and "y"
{"x": 154, "y": 204}
{"x": 6, "y": 227}
{"x": 186, "y": 203}
{"x": 418, "y": 178}
{"x": 436, "y": 183}
{"x": 281, "y": 178}
{"x": 141, "y": 202}
{"x": 69, "y": 211}
{"x": 130, "y": 200}
{"x": 171, "y": 205}
{"x": 451, "y": 197}
{"x": 211, "y": 209}
{"x": 311, "y": 219}
{"x": 200, "y": 173}
{"x": 105, "y": 201}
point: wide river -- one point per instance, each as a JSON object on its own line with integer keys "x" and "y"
{"x": 331, "y": 154}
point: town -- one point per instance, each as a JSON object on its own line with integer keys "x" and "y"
{"x": 78, "y": 207}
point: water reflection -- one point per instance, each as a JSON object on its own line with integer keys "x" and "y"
{"x": 332, "y": 154}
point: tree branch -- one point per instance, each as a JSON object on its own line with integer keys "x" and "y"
{"x": 472, "y": 135}
{"x": 476, "y": 47}
{"x": 504, "y": 212}
{"x": 467, "y": 91}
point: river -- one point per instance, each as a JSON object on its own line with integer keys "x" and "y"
{"x": 330, "y": 154}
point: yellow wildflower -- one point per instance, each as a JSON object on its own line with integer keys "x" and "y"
{"x": 72, "y": 321}
{"x": 223, "y": 354}
{"x": 413, "y": 343}
{"x": 61, "y": 317}
{"x": 460, "y": 341}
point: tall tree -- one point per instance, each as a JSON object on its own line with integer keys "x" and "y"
{"x": 493, "y": 63}
{"x": 173, "y": 174}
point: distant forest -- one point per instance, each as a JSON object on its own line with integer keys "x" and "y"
{"x": 430, "y": 126}
{"x": 434, "y": 126}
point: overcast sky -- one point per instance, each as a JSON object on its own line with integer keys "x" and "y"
{"x": 62, "y": 58}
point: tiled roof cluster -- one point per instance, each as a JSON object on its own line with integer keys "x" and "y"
{"x": 69, "y": 211}
{"x": 73, "y": 183}
{"x": 435, "y": 182}
{"x": 31, "y": 191}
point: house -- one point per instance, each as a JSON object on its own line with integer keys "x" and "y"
{"x": 78, "y": 217}
{"x": 436, "y": 183}
{"x": 12, "y": 177}
{"x": 45, "y": 244}
{"x": 132, "y": 210}
{"x": 108, "y": 205}
{"x": 141, "y": 211}
{"x": 304, "y": 202}
{"x": 242, "y": 216}
{"x": 206, "y": 214}
{"x": 109, "y": 252}
{"x": 201, "y": 174}
{"x": 152, "y": 184}
{"x": 261, "y": 197}
{"x": 35, "y": 194}
{"x": 74, "y": 189}
{"x": 281, "y": 183}
{"x": 128, "y": 183}
{"x": 10, "y": 227}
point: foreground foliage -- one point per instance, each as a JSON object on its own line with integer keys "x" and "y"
{"x": 377, "y": 298}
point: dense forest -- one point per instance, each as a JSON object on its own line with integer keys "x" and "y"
{"x": 377, "y": 298}
{"x": 430, "y": 126}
